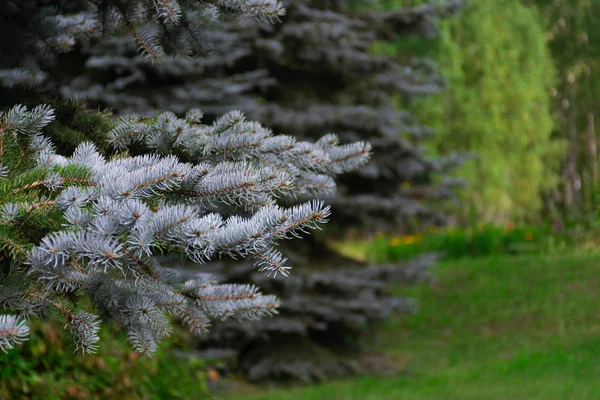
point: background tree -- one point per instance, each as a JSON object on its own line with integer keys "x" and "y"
{"x": 496, "y": 106}
{"x": 574, "y": 45}
{"x": 295, "y": 79}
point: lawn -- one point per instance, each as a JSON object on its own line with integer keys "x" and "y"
{"x": 510, "y": 327}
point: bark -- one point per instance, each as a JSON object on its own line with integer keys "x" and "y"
{"x": 592, "y": 148}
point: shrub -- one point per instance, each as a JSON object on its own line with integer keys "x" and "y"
{"x": 47, "y": 369}
{"x": 457, "y": 243}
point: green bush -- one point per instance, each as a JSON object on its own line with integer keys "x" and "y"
{"x": 457, "y": 243}
{"x": 46, "y": 368}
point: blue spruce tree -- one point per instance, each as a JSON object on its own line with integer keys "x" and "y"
{"x": 312, "y": 74}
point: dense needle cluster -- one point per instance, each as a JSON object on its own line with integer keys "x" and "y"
{"x": 159, "y": 28}
{"x": 91, "y": 224}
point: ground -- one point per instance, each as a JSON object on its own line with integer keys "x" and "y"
{"x": 505, "y": 327}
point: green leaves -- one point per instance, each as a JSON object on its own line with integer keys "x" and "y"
{"x": 497, "y": 105}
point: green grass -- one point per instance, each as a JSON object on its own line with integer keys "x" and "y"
{"x": 524, "y": 327}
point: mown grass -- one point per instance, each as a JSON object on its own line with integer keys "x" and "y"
{"x": 502, "y": 327}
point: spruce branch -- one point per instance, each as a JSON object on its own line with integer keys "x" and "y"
{"x": 106, "y": 218}
{"x": 13, "y": 332}
{"x": 159, "y": 28}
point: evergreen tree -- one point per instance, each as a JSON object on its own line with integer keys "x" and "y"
{"x": 86, "y": 226}
{"x": 310, "y": 75}
{"x": 313, "y": 74}
{"x": 158, "y": 28}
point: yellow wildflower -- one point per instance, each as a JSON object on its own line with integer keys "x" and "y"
{"x": 529, "y": 236}
{"x": 409, "y": 239}
{"x": 395, "y": 241}
{"x": 510, "y": 226}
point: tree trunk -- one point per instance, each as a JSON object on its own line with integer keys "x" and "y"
{"x": 592, "y": 149}
{"x": 573, "y": 180}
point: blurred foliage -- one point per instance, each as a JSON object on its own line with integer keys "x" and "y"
{"x": 457, "y": 243}
{"x": 496, "y": 106}
{"x": 522, "y": 86}
{"x": 574, "y": 42}
{"x": 556, "y": 237}
{"x": 46, "y": 368}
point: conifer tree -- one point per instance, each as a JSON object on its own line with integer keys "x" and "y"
{"x": 159, "y": 28}
{"x": 78, "y": 232}
{"x": 312, "y": 74}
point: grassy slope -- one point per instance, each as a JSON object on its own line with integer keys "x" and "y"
{"x": 497, "y": 328}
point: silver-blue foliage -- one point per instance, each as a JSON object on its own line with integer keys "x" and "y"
{"x": 12, "y": 331}
{"x": 222, "y": 200}
{"x": 159, "y": 28}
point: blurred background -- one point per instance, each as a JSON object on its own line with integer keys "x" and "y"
{"x": 461, "y": 263}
